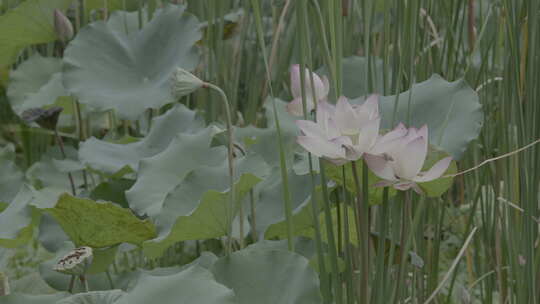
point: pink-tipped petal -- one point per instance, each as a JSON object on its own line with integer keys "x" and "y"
{"x": 311, "y": 129}
{"x": 371, "y": 106}
{"x": 320, "y": 89}
{"x": 326, "y": 85}
{"x": 404, "y": 186}
{"x": 345, "y": 117}
{"x": 383, "y": 184}
{"x": 435, "y": 172}
{"x": 370, "y": 133}
{"x": 296, "y": 88}
{"x": 410, "y": 159}
{"x": 380, "y": 166}
{"x": 321, "y": 148}
{"x": 390, "y": 141}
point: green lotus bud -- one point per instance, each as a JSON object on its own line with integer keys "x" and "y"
{"x": 76, "y": 262}
{"x": 4, "y": 285}
{"x": 184, "y": 83}
{"x": 62, "y": 26}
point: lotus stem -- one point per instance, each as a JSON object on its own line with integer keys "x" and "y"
{"x": 231, "y": 162}
{"x": 61, "y": 145}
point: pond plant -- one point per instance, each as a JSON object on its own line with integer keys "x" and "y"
{"x": 257, "y": 151}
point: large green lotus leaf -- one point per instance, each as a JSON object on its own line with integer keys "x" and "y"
{"x": 355, "y": 76}
{"x": 193, "y": 285}
{"x": 94, "y": 297}
{"x": 49, "y": 178}
{"x": 130, "y": 73}
{"x": 268, "y": 276}
{"x": 111, "y": 157}
{"x": 439, "y": 186}
{"x": 269, "y": 206}
{"x": 303, "y": 225}
{"x": 187, "y": 196}
{"x": 18, "y": 298}
{"x": 11, "y": 177}
{"x": 16, "y": 221}
{"x": 36, "y": 83}
{"x": 112, "y": 5}
{"x": 29, "y": 23}
{"x": 126, "y": 22}
{"x": 450, "y": 109}
{"x": 160, "y": 174}
{"x": 51, "y": 236}
{"x": 194, "y": 212}
{"x": 113, "y": 191}
{"x": 264, "y": 141}
{"x": 51, "y": 170}
{"x": 99, "y": 225}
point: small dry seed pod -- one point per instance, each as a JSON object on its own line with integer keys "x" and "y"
{"x": 62, "y": 26}
{"x": 76, "y": 262}
{"x": 184, "y": 83}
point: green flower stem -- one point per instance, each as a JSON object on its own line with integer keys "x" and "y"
{"x": 282, "y": 163}
{"x": 71, "y": 284}
{"x": 403, "y": 252}
{"x": 84, "y": 281}
{"x": 61, "y": 145}
{"x": 231, "y": 163}
{"x": 363, "y": 234}
{"x": 378, "y": 295}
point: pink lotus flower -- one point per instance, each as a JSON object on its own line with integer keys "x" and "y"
{"x": 322, "y": 138}
{"x": 401, "y": 164}
{"x": 320, "y": 86}
{"x": 343, "y": 132}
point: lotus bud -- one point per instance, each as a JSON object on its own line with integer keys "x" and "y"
{"x": 4, "y": 285}
{"x": 185, "y": 83}
{"x": 62, "y": 26}
{"x": 76, "y": 262}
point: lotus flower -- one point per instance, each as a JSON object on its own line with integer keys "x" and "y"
{"x": 401, "y": 164}
{"x": 320, "y": 86}
{"x": 322, "y": 138}
{"x": 343, "y": 132}
{"x": 360, "y": 124}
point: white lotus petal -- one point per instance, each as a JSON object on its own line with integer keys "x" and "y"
{"x": 370, "y": 106}
{"x": 320, "y": 88}
{"x": 390, "y": 141}
{"x": 369, "y": 134}
{"x": 383, "y": 184}
{"x": 345, "y": 117}
{"x": 435, "y": 172}
{"x": 321, "y": 148}
{"x": 380, "y": 166}
{"x": 296, "y": 88}
{"x": 404, "y": 185}
{"x": 326, "y": 86}
{"x": 311, "y": 129}
{"x": 409, "y": 160}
